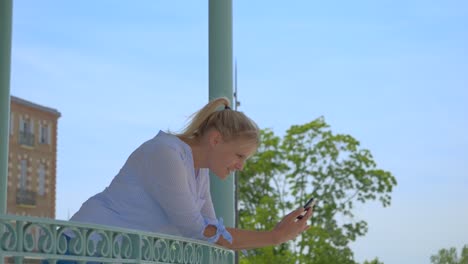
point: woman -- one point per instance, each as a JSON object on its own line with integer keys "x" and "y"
{"x": 164, "y": 185}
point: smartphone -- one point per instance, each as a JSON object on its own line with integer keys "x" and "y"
{"x": 309, "y": 204}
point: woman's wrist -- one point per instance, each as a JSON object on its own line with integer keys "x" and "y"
{"x": 209, "y": 231}
{"x": 275, "y": 237}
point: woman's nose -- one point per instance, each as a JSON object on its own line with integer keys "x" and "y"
{"x": 239, "y": 166}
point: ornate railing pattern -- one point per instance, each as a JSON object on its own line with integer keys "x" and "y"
{"x": 24, "y": 238}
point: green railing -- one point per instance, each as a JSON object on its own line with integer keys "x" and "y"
{"x": 30, "y": 239}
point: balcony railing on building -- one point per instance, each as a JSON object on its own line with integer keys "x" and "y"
{"x": 25, "y": 197}
{"x": 26, "y": 138}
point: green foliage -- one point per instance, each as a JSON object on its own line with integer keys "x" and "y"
{"x": 310, "y": 161}
{"x": 374, "y": 261}
{"x": 449, "y": 256}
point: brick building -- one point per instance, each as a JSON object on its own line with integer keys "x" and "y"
{"x": 32, "y": 159}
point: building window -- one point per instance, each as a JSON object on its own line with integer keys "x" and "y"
{"x": 44, "y": 134}
{"x": 24, "y": 197}
{"x": 12, "y": 122}
{"x": 42, "y": 176}
{"x": 24, "y": 174}
{"x": 26, "y": 135}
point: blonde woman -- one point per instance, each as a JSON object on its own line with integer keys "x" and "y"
{"x": 164, "y": 185}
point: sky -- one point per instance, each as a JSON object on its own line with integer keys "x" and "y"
{"x": 392, "y": 74}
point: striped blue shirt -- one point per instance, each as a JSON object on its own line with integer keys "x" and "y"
{"x": 157, "y": 190}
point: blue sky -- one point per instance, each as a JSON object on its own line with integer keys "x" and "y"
{"x": 393, "y": 74}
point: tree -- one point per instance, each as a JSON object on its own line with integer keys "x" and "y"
{"x": 374, "y": 261}
{"x": 310, "y": 160}
{"x": 449, "y": 256}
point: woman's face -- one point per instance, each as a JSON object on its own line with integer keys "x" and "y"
{"x": 227, "y": 157}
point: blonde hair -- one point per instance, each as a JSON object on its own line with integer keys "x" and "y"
{"x": 218, "y": 115}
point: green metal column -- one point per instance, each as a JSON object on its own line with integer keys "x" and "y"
{"x": 6, "y": 7}
{"x": 220, "y": 84}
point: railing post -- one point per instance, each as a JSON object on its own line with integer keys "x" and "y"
{"x": 220, "y": 84}
{"x": 6, "y": 7}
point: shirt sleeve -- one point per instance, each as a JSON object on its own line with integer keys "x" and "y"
{"x": 165, "y": 179}
{"x": 208, "y": 209}
{"x": 209, "y": 214}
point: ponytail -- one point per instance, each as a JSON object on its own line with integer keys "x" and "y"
{"x": 217, "y": 114}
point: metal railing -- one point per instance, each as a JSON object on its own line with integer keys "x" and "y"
{"x": 25, "y": 197}
{"x": 26, "y": 138}
{"x": 29, "y": 238}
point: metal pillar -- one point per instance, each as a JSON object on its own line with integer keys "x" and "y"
{"x": 6, "y": 7}
{"x": 220, "y": 84}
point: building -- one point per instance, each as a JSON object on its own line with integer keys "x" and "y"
{"x": 32, "y": 159}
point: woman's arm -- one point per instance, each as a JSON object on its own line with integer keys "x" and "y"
{"x": 289, "y": 228}
{"x": 248, "y": 239}
{"x": 164, "y": 177}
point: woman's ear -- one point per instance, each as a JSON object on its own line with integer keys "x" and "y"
{"x": 214, "y": 137}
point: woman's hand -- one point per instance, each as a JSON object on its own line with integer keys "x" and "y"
{"x": 290, "y": 227}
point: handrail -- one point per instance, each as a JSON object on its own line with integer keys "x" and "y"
{"x": 46, "y": 239}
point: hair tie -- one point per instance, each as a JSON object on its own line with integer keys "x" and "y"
{"x": 227, "y": 108}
